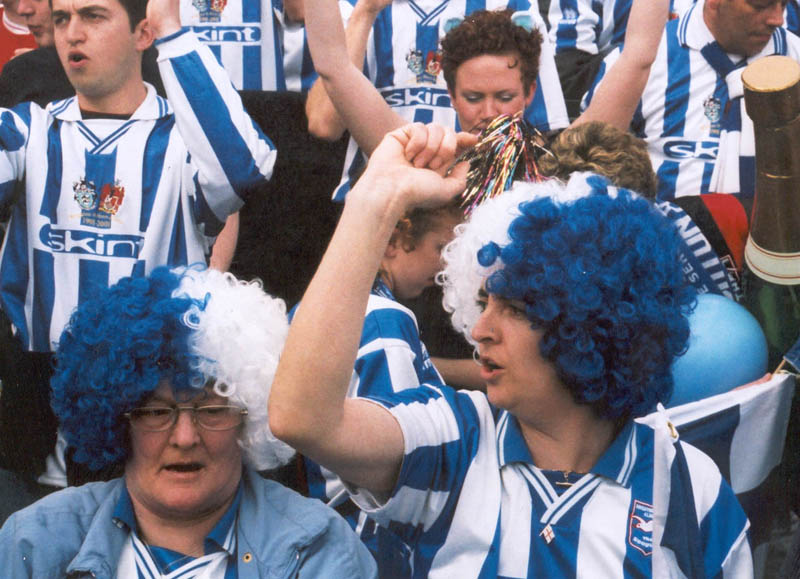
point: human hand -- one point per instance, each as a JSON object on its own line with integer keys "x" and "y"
{"x": 410, "y": 164}
{"x": 163, "y": 17}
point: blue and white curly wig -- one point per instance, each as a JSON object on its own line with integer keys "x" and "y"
{"x": 599, "y": 271}
{"x": 194, "y": 327}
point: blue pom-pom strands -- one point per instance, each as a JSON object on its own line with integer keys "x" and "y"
{"x": 508, "y": 150}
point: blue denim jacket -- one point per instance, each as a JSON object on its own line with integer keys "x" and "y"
{"x": 281, "y": 535}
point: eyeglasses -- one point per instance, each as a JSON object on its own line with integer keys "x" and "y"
{"x": 160, "y": 418}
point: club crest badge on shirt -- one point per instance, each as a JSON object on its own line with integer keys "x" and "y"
{"x": 210, "y": 10}
{"x": 98, "y": 211}
{"x": 712, "y": 108}
{"x": 640, "y": 527}
{"x": 425, "y": 67}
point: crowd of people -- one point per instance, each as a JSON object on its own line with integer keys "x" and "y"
{"x": 150, "y": 399}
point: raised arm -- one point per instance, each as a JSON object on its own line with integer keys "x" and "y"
{"x": 342, "y": 97}
{"x": 228, "y": 151}
{"x": 308, "y": 407}
{"x": 617, "y": 96}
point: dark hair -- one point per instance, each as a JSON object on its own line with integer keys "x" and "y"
{"x": 603, "y": 149}
{"x": 491, "y": 32}
{"x": 136, "y": 9}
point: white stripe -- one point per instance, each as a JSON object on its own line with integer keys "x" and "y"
{"x": 604, "y": 528}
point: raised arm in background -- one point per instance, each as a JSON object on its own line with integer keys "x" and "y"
{"x": 308, "y": 407}
{"x": 616, "y": 98}
{"x": 338, "y": 56}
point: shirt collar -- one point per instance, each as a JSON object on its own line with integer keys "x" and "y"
{"x": 616, "y": 463}
{"x": 153, "y": 107}
{"x": 693, "y": 33}
{"x": 380, "y": 288}
{"x": 221, "y": 537}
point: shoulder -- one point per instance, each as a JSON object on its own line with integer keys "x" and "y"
{"x": 386, "y": 318}
{"x": 45, "y": 537}
{"x": 276, "y": 519}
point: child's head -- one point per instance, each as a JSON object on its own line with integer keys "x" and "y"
{"x": 490, "y": 64}
{"x": 413, "y": 256}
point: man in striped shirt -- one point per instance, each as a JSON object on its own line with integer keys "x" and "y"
{"x": 110, "y": 183}
{"x": 692, "y": 111}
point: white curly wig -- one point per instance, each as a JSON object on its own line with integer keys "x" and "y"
{"x": 238, "y": 337}
{"x": 462, "y": 275}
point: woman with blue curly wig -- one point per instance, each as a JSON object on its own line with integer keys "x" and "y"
{"x": 574, "y": 297}
{"x": 169, "y": 375}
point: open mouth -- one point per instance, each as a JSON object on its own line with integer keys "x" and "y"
{"x": 76, "y": 57}
{"x": 184, "y": 467}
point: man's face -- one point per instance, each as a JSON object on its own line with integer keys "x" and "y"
{"x": 99, "y": 52}
{"x": 743, "y": 26}
{"x": 488, "y": 86}
{"x": 185, "y": 472}
{"x": 36, "y": 14}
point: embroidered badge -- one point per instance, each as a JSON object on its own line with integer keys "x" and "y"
{"x": 210, "y": 10}
{"x": 85, "y": 193}
{"x": 111, "y": 198}
{"x": 424, "y": 66}
{"x": 640, "y": 527}
{"x": 414, "y": 61}
{"x": 712, "y": 109}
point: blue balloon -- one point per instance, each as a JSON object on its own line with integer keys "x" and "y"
{"x": 727, "y": 348}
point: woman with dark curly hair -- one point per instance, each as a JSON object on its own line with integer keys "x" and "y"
{"x": 169, "y": 375}
{"x": 575, "y": 299}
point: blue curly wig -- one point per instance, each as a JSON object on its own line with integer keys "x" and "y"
{"x": 599, "y": 271}
{"x": 192, "y": 327}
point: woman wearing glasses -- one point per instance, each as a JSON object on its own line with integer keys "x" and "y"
{"x": 170, "y": 374}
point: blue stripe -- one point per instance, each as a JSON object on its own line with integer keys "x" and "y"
{"x": 382, "y": 40}
{"x": 44, "y": 291}
{"x": 14, "y": 270}
{"x": 203, "y": 213}
{"x": 251, "y": 68}
{"x": 178, "y": 254}
{"x": 667, "y": 177}
{"x": 216, "y": 50}
{"x": 52, "y": 187}
{"x": 708, "y": 171}
{"x": 473, "y": 5}
{"x": 676, "y": 97}
{"x": 622, "y": 8}
{"x": 251, "y": 11}
{"x": 423, "y": 116}
{"x": 92, "y": 276}
{"x": 536, "y": 112}
{"x": 681, "y": 532}
{"x": 155, "y": 151}
{"x": 567, "y": 32}
{"x": 87, "y": 132}
{"x": 215, "y": 120}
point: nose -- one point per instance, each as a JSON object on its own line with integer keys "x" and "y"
{"x": 484, "y": 328}
{"x": 489, "y": 109}
{"x": 185, "y": 433}
{"x": 775, "y": 14}
{"x": 25, "y": 8}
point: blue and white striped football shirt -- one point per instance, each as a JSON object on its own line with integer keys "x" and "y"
{"x": 95, "y": 200}
{"x": 471, "y": 503}
{"x": 298, "y": 68}
{"x": 391, "y": 358}
{"x": 244, "y": 35}
{"x": 403, "y": 61}
{"x": 592, "y": 26}
{"x": 681, "y": 108}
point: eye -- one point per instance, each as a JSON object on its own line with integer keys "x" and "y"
{"x": 473, "y": 98}
{"x": 151, "y": 412}
{"x": 506, "y": 98}
{"x": 481, "y": 302}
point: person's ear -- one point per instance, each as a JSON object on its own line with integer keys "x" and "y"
{"x": 531, "y": 93}
{"x": 144, "y": 35}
